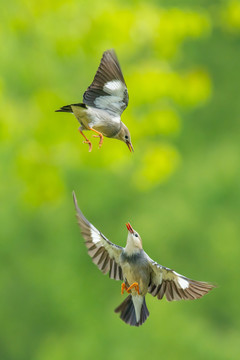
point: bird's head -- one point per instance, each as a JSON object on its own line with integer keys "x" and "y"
{"x": 124, "y": 135}
{"x": 134, "y": 241}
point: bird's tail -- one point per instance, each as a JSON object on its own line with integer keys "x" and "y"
{"x": 68, "y": 108}
{"x": 128, "y": 313}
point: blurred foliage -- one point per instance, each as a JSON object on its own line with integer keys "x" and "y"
{"x": 61, "y": 51}
{"x": 180, "y": 189}
{"x": 231, "y": 16}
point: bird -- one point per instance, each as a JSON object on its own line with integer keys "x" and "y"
{"x": 139, "y": 274}
{"x": 103, "y": 103}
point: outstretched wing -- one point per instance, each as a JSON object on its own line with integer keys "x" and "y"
{"x": 174, "y": 286}
{"x": 103, "y": 252}
{"x": 108, "y": 90}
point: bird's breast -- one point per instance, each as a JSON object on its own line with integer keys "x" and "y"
{"x": 100, "y": 120}
{"x": 107, "y": 129}
{"x": 136, "y": 269}
{"x": 108, "y": 124}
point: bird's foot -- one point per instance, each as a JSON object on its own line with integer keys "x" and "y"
{"x": 101, "y": 140}
{"x": 123, "y": 287}
{"x": 99, "y": 135}
{"x": 134, "y": 285}
{"x": 89, "y": 144}
{"x": 86, "y": 140}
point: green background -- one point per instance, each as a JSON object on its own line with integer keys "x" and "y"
{"x": 180, "y": 189}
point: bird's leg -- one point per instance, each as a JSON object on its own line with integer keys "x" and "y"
{"x": 123, "y": 287}
{"x": 134, "y": 285}
{"x": 99, "y": 135}
{"x": 86, "y": 140}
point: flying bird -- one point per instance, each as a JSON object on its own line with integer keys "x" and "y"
{"x": 137, "y": 271}
{"x": 103, "y": 103}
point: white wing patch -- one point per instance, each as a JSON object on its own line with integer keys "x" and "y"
{"x": 114, "y": 86}
{"x": 183, "y": 283}
{"x": 114, "y": 102}
{"x": 95, "y": 236}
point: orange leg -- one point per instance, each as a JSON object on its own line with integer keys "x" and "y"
{"x": 123, "y": 287}
{"x": 86, "y": 140}
{"x": 99, "y": 135}
{"x": 134, "y": 285}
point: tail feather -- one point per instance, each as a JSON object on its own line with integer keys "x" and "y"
{"x": 68, "y": 108}
{"x": 127, "y": 312}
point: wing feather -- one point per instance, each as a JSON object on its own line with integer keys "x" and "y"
{"x": 103, "y": 252}
{"x": 174, "y": 286}
{"x": 108, "y": 90}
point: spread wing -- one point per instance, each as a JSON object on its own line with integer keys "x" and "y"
{"x": 108, "y": 90}
{"x": 174, "y": 286}
{"x": 103, "y": 252}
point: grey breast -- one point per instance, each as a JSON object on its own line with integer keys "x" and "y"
{"x": 139, "y": 265}
{"x": 102, "y": 121}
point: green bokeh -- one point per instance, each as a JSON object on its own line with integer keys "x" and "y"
{"x": 180, "y": 189}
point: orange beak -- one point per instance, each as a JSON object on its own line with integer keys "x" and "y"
{"x": 129, "y": 145}
{"x": 129, "y": 227}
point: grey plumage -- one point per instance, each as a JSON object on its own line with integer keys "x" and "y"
{"x": 103, "y": 103}
{"x": 139, "y": 273}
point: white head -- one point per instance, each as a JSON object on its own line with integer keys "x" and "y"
{"x": 134, "y": 241}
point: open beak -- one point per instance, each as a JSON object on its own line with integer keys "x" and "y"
{"x": 129, "y": 145}
{"x": 129, "y": 227}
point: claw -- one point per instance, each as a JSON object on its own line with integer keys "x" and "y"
{"x": 134, "y": 285}
{"x": 89, "y": 144}
{"x": 123, "y": 287}
{"x": 98, "y": 136}
{"x": 86, "y": 140}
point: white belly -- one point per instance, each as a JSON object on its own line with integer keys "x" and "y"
{"x": 97, "y": 119}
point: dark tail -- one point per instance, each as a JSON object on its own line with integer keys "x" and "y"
{"x": 68, "y": 108}
{"x": 127, "y": 312}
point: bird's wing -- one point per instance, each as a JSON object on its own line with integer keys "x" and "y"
{"x": 108, "y": 90}
{"x": 103, "y": 252}
{"x": 174, "y": 286}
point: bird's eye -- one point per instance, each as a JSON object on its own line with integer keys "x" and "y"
{"x": 126, "y": 137}
{"x": 136, "y": 235}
